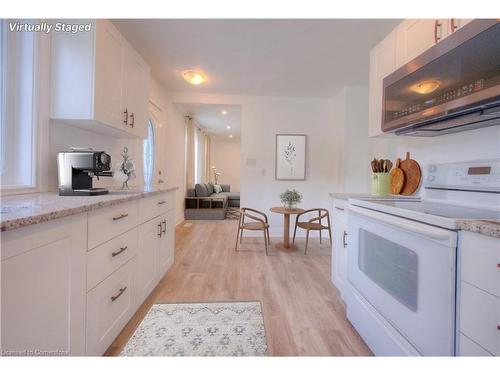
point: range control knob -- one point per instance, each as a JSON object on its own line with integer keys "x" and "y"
{"x": 431, "y": 178}
{"x": 432, "y": 168}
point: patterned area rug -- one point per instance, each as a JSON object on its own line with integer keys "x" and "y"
{"x": 233, "y": 213}
{"x": 200, "y": 329}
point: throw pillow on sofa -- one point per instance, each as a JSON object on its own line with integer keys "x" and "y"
{"x": 218, "y": 189}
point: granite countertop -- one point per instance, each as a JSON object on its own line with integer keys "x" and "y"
{"x": 18, "y": 211}
{"x": 487, "y": 227}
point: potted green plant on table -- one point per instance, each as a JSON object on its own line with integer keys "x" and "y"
{"x": 290, "y": 198}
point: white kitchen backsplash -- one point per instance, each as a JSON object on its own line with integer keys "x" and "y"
{"x": 63, "y": 136}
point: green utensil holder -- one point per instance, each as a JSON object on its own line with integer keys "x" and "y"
{"x": 381, "y": 183}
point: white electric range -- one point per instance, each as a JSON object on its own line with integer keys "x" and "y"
{"x": 402, "y": 258}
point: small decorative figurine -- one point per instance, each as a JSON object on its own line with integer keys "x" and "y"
{"x": 127, "y": 168}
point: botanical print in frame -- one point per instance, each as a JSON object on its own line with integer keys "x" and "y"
{"x": 290, "y": 157}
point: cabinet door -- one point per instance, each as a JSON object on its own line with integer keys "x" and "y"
{"x": 136, "y": 91}
{"x": 382, "y": 63}
{"x": 339, "y": 255}
{"x": 457, "y": 23}
{"x": 108, "y": 105}
{"x": 166, "y": 250}
{"x": 43, "y": 289}
{"x": 147, "y": 257}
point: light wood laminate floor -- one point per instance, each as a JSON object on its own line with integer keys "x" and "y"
{"x": 303, "y": 312}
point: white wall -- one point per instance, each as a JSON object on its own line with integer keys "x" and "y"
{"x": 225, "y": 155}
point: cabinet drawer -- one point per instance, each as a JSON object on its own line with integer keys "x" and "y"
{"x": 109, "y": 307}
{"x": 479, "y": 317}
{"x": 155, "y": 205}
{"x": 108, "y": 257}
{"x": 110, "y": 222}
{"x": 469, "y": 348}
{"x": 479, "y": 261}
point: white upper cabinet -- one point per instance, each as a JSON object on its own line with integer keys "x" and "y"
{"x": 99, "y": 82}
{"x": 382, "y": 63}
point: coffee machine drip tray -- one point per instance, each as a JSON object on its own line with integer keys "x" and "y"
{"x": 91, "y": 191}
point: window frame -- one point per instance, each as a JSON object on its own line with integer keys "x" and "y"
{"x": 39, "y": 112}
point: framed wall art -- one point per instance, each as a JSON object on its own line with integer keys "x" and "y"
{"x": 290, "y": 157}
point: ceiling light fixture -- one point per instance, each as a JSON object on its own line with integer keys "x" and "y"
{"x": 194, "y": 77}
{"x": 426, "y": 87}
{"x": 228, "y": 127}
{"x": 224, "y": 112}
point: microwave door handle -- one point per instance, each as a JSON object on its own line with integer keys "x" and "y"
{"x": 406, "y": 225}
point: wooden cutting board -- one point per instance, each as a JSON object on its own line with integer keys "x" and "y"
{"x": 412, "y": 173}
{"x": 397, "y": 178}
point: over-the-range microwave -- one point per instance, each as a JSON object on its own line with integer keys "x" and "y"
{"x": 451, "y": 87}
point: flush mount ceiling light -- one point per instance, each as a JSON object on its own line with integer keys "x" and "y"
{"x": 228, "y": 127}
{"x": 224, "y": 112}
{"x": 194, "y": 77}
{"x": 426, "y": 87}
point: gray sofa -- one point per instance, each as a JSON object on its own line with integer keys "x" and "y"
{"x": 203, "y": 203}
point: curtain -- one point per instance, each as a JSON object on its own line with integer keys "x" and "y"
{"x": 190, "y": 153}
{"x": 207, "y": 162}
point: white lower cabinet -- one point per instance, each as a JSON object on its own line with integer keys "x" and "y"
{"x": 43, "y": 288}
{"x": 479, "y": 299}
{"x": 110, "y": 305}
{"x": 147, "y": 260}
{"x": 69, "y": 286}
{"x": 339, "y": 245}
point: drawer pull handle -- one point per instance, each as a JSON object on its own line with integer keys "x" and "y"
{"x": 161, "y": 202}
{"x": 122, "y": 249}
{"x": 343, "y": 239}
{"x": 164, "y": 227}
{"x": 125, "y": 120}
{"x": 339, "y": 208}
{"x": 498, "y": 327}
{"x": 133, "y": 119}
{"x": 498, "y": 265}
{"x": 120, "y": 217}
{"x": 159, "y": 229}
{"x": 114, "y": 298}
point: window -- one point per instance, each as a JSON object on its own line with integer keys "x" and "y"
{"x": 149, "y": 156}
{"x": 17, "y": 82}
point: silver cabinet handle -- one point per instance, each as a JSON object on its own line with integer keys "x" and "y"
{"x": 161, "y": 202}
{"x": 437, "y": 25}
{"x": 114, "y": 298}
{"x": 122, "y": 249}
{"x": 343, "y": 239}
{"x": 159, "y": 229}
{"x": 120, "y": 217}
{"x": 160, "y": 181}
{"x": 164, "y": 228}
{"x": 339, "y": 208}
{"x": 125, "y": 119}
{"x": 133, "y": 119}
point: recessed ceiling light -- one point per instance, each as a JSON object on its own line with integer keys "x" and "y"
{"x": 224, "y": 112}
{"x": 230, "y": 136}
{"x": 194, "y": 77}
{"x": 228, "y": 127}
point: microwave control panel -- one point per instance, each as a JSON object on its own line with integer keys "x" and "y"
{"x": 483, "y": 176}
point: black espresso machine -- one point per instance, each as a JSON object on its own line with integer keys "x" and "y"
{"x": 76, "y": 169}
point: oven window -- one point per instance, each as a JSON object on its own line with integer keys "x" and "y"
{"x": 391, "y": 266}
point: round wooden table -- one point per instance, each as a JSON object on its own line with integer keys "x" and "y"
{"x": 286, "y": 212}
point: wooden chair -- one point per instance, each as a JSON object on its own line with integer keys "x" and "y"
{"x": 257, "y": 223}
{"x": 313, "y": 224}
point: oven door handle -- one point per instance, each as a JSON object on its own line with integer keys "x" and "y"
{"x": 406, "y": 225}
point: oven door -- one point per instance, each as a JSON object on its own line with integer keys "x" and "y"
{"x": 406, "y": 271}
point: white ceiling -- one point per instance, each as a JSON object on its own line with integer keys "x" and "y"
{"x": 211, "y": 119}
{"x": 310, "y": 58}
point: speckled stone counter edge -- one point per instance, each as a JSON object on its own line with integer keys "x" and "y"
{"x": 487, "y": 228}
{"x": 7, "y": 225}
